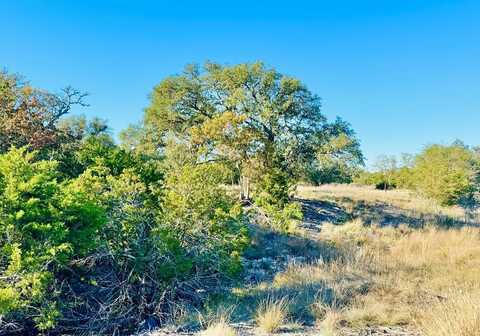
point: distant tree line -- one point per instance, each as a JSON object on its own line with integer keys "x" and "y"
{"x": 449, "y": 174}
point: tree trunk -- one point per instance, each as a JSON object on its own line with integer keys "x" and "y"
{"x": 244, "y": 188}
{"x": 240, "y": 184}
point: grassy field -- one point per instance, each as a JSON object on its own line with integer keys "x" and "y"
{"x": 363, "y": 262}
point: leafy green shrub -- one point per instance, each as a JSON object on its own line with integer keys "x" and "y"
{"x": 273, "y": 197}
{"x": 205, "y": 222}
{"x": 123, "y": 280}
{"x": 117, "y": 240}
{"x": 159, "y": 233}
{"x": 284, "y": 219}
{"x": 402, "y": 177}
{"x": 274, "y": 188}
{"x": 446, "y": 173}
{"x": 43, "y": 224}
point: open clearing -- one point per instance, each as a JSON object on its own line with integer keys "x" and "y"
{"x": 363, "y": 262}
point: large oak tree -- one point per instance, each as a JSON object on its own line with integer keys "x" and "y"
{"x": 249, "y": 115}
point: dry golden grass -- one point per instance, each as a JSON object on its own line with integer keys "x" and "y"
{"x": 272, "y": 314}
{"x": 219, "y": 328}
{"x": 329, "y": 325}
{"x": 421, "y": 278}
{"x": 391, "y": 276}
{"x": 458, "y": 315}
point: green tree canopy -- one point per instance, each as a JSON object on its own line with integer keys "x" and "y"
{"x": 247, "y": 114}
{"x": 446, "y": 173}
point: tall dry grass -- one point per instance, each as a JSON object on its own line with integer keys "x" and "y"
{"x": 272, "y": 314}
{"x": 219, "y": 328}
{"x": 457, "y": 315}
{"x": 392, "y": 276}
{"x": 423, "y": 279}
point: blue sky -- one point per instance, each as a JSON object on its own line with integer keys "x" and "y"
{"x": 403, "y": 73}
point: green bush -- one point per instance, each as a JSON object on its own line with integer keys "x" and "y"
{"x": 43, "y": 224}
{"x": 376, "y": 179}
{"x": 446, "y": 173}
{"x": 273, "y": 196}
{"x": 204, "y": 221}
{"x": 118, "y": 235}
{"x": 159, "y": 233}
{"x": 274, "y": 188}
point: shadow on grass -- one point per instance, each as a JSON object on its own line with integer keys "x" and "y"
{"x": 318, "y": 212}
{"x": 384, "y": 214}
{"x": 270, "y": 254}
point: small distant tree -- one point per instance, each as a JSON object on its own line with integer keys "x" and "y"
{"x": 448, "y": 174}
{"x": 387, "y": 167}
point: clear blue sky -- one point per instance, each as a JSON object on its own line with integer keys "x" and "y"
{"x": 404, "y": 73}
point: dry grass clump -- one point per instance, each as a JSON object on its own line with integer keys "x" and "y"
{"x": 416, "y": 268}
{"x": 272, "y": 314}
{"x": 219, "y": 328}
{"x": 457, "y": 315}
{"x": 435, "y": 249}
{"x": 330, "y": 324}
{"x": 352, "y": 231}
{"x": 373, "y": 309}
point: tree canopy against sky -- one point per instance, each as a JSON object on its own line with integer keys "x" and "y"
{"x": 29, "y": 116}
{"x": 248, "y": 114}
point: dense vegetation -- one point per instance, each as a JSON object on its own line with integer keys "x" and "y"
{"x": 267, "y": 128}
{"x": 99, "y": 238}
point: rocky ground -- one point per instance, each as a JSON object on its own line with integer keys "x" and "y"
{"x": 246, "y": 329}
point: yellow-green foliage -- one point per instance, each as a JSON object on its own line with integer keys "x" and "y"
{"x": 9, "y": 300}
{"x": 402, "y": 177}
{"x": 43, "y": 224}
{"x": 56, "y": 237}
{"x": 203, "y": 219}
{"x": 446, "y": 173}
{"x": 273, "y": 196}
